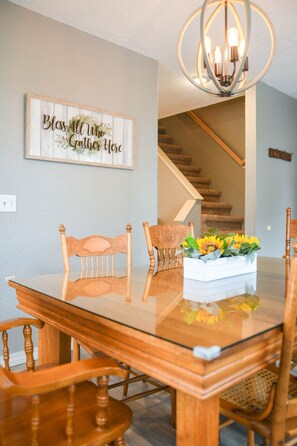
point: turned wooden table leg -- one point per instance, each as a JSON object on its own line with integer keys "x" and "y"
{"x": 197, "y": 421}
{"x": 54, "y": 347}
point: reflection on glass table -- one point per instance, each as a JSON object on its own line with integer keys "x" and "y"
{"x": 96, "y": 286}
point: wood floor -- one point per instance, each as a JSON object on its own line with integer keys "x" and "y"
{"x": 151, "y": 422}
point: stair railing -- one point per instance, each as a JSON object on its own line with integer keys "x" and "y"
{"x": 217, "y": 139}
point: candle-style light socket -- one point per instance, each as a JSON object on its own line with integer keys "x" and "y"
{"x": 234, "y": 54}
{"x": 218, "y": 68}
{"x": 225, "y": 80}
{"x": 246, "y": 64}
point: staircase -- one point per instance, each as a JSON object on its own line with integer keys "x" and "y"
{"x": 214, "y": 214}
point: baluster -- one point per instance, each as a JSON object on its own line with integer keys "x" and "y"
{"x": 28, "y": 347}
{"x": 102, "y": 401}
{"x": 70, "y": 414}
{"x": 5, "y": 350}
{"x": 35, "y": 420}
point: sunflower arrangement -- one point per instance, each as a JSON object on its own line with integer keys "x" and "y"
{"x": 212, "y": 246}
{"x": 222, "y": 312}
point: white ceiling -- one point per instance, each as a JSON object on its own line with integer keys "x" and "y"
{"x": 151, "y": 27}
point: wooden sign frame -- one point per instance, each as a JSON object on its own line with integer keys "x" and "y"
{"x": 73, "y": 133}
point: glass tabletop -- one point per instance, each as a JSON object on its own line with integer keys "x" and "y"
{"x": 185, "y": 312}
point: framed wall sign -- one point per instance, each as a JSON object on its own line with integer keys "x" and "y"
{"x": 72, "y": 133}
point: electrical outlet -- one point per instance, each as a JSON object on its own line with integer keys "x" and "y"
{"x": 7, "y": 203}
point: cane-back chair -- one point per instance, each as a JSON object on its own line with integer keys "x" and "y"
{"x": 59, "y": 405}
{"x": 166, "y": 240}
{"x": 266, "y": 402}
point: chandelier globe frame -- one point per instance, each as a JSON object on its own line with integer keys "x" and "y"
{"x": 224, "y": 84}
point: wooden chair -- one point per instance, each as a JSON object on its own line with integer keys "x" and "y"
{"x": 291, "y": 232}
{"x": 58, "y": 405}
{"x": 96, "y": 252}
{"x": 166, "y": 240}
{"x": 96, "y": 255}
{"x": 266, "y": 402}
{"x": 95, "y": 287}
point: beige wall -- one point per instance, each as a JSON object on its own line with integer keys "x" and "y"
{"x": 227, "y": 120}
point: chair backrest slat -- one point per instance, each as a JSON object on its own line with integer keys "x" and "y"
{"x": 291, "y": 233}
{"x": 5, "y": 349}
{"x": 26, "y": 324}
{"x": 28, "y": 347}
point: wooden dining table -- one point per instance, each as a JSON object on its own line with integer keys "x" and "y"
{"x": 197, "y": 337}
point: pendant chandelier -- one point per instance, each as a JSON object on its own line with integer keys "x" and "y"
{"x": 221, "y": 70}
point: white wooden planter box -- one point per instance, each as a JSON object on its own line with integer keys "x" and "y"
{"x": 220, "y": 289}
{"x": 218, "y": 269}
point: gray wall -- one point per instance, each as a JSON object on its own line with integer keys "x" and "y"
{"x": 227, "y": 120}
{"x": 45, "y": 57}
{"x": 276, "y": 180}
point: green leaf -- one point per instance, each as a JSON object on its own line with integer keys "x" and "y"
{"x": 211, "y": 256}
{"x": 191, "y": 241}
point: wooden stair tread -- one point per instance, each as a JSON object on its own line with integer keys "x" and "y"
{"x": 182, "y": 159}
{"x": 210, "y": 204}
{"x": 209, "y": 191}
{"x": 223, "y": 218}
{"x": 189, "y": 169}
{"x": 162, "y": 138}
{"x": 172, "y": 148}
{"x": 215, "y": 208}
{"x": 201, "y": 180}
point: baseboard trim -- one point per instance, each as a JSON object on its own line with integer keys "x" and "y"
{"x": 18, "y": 358}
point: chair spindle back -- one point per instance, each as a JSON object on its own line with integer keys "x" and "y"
{"x": 96, "y": 252}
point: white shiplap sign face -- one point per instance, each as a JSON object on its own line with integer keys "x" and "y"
{"x": 72, "y": 133}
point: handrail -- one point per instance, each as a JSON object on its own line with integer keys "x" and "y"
{"x": 216, "y": 138}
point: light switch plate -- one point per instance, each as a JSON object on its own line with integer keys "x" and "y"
{"x": 7, "y": 203}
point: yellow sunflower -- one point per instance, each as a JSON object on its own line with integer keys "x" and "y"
{"x": 208, "y": 316}
{"x": 254, "y": 240}
{"x": 209, "y": 244}
{"x": 239, "y": 239}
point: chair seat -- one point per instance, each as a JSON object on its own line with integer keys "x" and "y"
{"x": 251, "y": 396}
{"x": 15, "y": 430}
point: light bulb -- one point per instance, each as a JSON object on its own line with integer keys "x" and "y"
{"x": 232, "y": 37}
{"x": 217, "y": 55}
